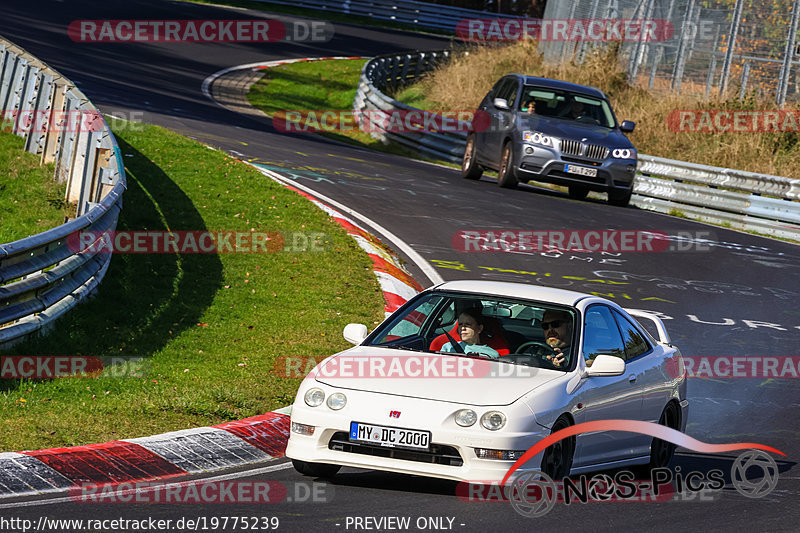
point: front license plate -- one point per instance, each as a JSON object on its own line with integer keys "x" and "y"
{"x": 581, "y": 171}
{"x": 390, "y": 437}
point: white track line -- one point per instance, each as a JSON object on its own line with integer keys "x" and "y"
{"x": 418, "y": 260}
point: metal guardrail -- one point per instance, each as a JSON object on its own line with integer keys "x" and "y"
{"x": 390, "y": 73}
{"x": 404, "y": 11}
{"x": 41, "y": 277}
{"x": 711, "y": 194}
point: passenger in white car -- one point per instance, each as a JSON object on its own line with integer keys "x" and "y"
{"x": 470, "y": 326}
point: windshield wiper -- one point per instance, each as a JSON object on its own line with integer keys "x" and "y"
{"x": 398, "y": 347}
{"x": 471, "y": 355}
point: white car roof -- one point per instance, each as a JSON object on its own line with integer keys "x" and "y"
{"x": 515, "y": 290}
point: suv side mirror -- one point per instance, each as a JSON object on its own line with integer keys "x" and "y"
{"x": 627, "y": 126}
{"x": 500, "y": 103}
{"x": 606, "y": 365}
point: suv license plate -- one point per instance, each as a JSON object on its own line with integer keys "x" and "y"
{"x": 390, "y": 437}
{"x": 581, "y": 171}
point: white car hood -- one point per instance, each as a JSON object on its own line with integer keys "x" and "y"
{"x": 468, "y": 380}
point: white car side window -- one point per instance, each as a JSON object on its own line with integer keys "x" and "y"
{"x": 601, "y": 335}
{"x": 635, "y": 343}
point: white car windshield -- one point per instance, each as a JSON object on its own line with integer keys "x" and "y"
{"x": 505, "y": 329}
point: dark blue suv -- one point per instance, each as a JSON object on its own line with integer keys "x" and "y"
{"x": 555, "y": 132}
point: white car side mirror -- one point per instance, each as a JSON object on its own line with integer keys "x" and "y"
{"x": 355, "y": 333}
{"x": 606, "y": 365}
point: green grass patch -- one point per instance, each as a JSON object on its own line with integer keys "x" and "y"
{"x": 414, "y": 96}
{"x": 31, "y": 201}
{"x": 209, "y": 326}
{"x": 318, "y": 86}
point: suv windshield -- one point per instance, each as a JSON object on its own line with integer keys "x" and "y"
{"x": 505, "y": 329}
{"x": 547, "y": 102}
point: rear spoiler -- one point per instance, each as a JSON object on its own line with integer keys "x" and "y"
{"x": 662, "y": 331}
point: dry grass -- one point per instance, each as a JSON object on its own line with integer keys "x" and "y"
{"x": 475, "y": 73}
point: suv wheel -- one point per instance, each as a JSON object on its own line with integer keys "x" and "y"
{"x": 505, "y": 176}
{"x": 620, "y": 198}
{"x": 577, "y": 192}
{"x": 470, "y": 169}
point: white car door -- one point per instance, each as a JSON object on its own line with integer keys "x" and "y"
{"x": 608, "y": 397}
{"x": 649, "y": 361}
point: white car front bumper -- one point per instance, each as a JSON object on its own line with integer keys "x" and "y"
{"x": 417, "y": 414}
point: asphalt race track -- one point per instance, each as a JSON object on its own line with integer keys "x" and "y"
{"x": 734, "y": 294}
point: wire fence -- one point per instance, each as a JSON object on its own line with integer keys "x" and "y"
{"x": 749, "y": 47}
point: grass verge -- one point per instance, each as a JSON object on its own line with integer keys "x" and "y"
{"x": 318, "y": 86}
{"x": 31, "y": 201}
{"x": 209, "y": 326}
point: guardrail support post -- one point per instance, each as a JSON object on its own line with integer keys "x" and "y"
{"x": 52, "y": 147}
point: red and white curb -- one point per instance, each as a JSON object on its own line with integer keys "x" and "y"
{"x": 396, "y": 283}
{"x": 190, "y": 451}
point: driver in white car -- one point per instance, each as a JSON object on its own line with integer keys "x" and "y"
{"x": 557, "y": 327}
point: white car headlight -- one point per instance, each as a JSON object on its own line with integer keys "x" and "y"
{"x": 623, "y": 153}
{"x": 336, "y": 401}
{"x": 535, "y": 137}
{"x": 493, "y": 420}
{"x": 314, "y": 397}
{"x": 466, "y": 417}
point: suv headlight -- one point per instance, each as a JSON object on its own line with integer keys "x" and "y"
{"x": 623, "y": 153}
{"x": 534, "y": 137}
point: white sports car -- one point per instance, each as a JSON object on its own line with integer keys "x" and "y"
{"x": 468, "y": 375}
